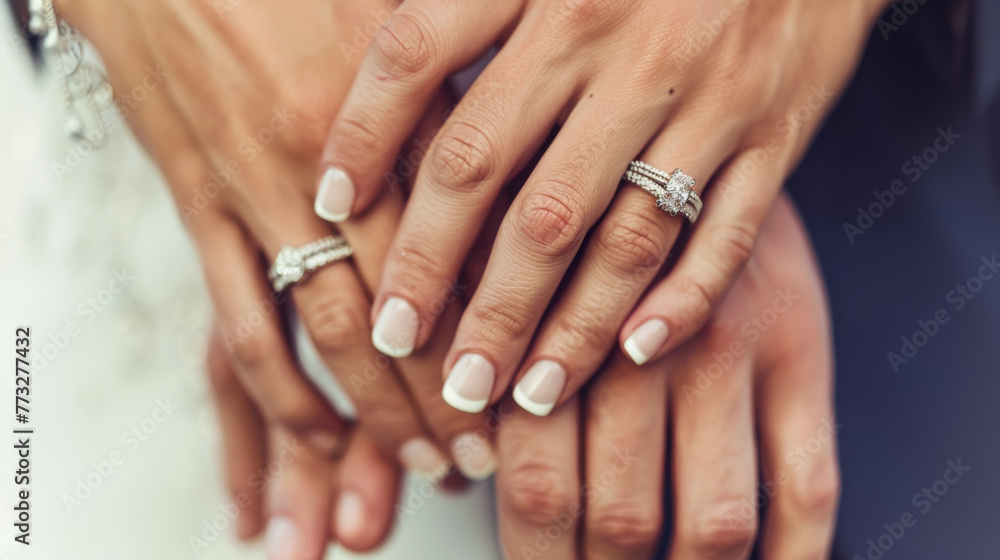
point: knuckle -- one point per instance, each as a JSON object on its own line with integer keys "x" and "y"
{"x": 418, "y": 266}
{"x": 252, "y": 352}
{"x": 461, "y": 157}
{"x": 586, "y": 327}
{"x": 629, "y": 527}
{"x": 722, "y": 529}
{"x": 553, "y": 221}
{"x": 356, "y": 130}
{"x": 499, "y": 320}
{"x": 537, "y": 493}
{"x": 634, "y": 242}
{"x": 335, "y": 325}
{"x": 818, "y": 494}
{"x": 733, "y": 244}
{"x": 404, "y": 46}
{"x": 699, "y": 300}
{"x": 305, "y": 102}
{"x": 590, "y": 14}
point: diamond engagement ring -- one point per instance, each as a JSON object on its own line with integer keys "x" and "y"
{"x": 294, "y": 264}
{"x": 673, "y": 192}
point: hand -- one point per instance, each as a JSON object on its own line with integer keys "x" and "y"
{"x": 309, "y": 498}
{"x": 753, "y": 388}
{"x": 688, "y": 84}
{"x": 236, "y": 125}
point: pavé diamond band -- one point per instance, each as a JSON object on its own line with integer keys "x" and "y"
{"x": 673, "y": 192}
{"x": 294, "y": 264}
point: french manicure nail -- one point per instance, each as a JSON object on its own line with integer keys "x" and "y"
{"x": 282, "y": 541}
{"x": 420, "y": 456}
{"x": 646, "y": 341}
{"x": 469, "y": 384}
{"x": 350, "y": 516}
{"x": 395, "y": 330}
{"x": 335, "y": 196}
{"x": 540, "y": 389}
{"x": 324, "y": 442}
{"x": 474, "y": 456}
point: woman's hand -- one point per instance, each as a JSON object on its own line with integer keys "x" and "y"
{"x": 310, "y": 499}
{"x": 237, "y": 125}
{"x": 728, "y": 90}
{"x": 753, "y": 388}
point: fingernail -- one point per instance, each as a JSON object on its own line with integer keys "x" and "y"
{"x": 395, "y": 329}
{"x": 540, "y": 389}
{"x": 420, "y": 456}
{"x": 474, "y": 456}
{"x": 335, "y": 196}
{"x": 324, "y": 442}
{"x": 646, "y": 341}
{"x": 469, "y": 384}
{"x": 282, "y": 541}
{"x": 350, "y": 516}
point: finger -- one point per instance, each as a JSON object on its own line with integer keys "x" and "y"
{"x": 422, "y": 43}
{"x": 537, "y": 483}
{"x": 624, "y": 460}
{"x": 253, "y": 338}
{"x": 622, "y": 258}
{"x": 540, "y": 235}
{"x": 369, "y": 487}
{"x": 462, "y": 434}
{"x": 714, "y": 461}
{"x": 718, "y": 250}
{"x": 244, "y": 445}
{"x": 494, "y": 130}
{"x": 333, "y": 306}
{"x": 299, "y": 500}
{"x": 798, "y": 432}
{"x": 334, "y": 309}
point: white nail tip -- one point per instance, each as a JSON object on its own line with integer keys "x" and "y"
{"x": 632, "y": 349}
{"x": 388, "y": 349}
{"x": 322, "y": 213}
{"x": 459, "y": 402}
{"x": 538, "y": 409}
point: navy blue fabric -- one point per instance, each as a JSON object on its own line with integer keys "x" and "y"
{"x": 906, "y": 424}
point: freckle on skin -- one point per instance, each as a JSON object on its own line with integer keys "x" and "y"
{"x": 671, "y": 91}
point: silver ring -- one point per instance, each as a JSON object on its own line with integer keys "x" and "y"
{"x": 674, "y": 192}
{"x": 294, "y": 264}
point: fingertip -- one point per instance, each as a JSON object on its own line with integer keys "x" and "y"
{"x": 335, "y": 195}
{"x": 395, "y": 331}
{"x": 646, "y": 340}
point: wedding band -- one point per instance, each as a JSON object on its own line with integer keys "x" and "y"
{"x": 294, "y": 264}
{"x": 674, "y": 192}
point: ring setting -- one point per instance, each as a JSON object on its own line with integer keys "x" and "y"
{"x": 674, "y": 192}
{"x": 293, "y": 265}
